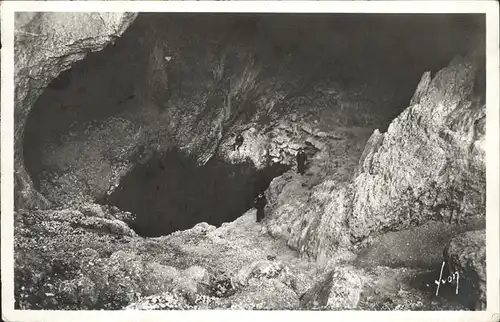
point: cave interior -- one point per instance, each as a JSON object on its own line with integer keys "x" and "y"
{"x": 162, "y": 84}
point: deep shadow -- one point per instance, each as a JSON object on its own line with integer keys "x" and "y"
{"x": 467, "y": 294}
{"x": 171, "y": 192}
{"x": 62, "y": 81}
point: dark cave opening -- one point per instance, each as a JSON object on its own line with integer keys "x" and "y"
{"x": 171, "y": 192}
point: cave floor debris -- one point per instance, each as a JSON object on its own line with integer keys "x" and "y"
{"x": 68, "y": 262}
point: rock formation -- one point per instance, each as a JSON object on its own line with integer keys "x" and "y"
{"x": 46, "y": 45}
{"x": 319, "y": 246}
{"x": 428, "y": 166}
{"x": 431, "y": 162}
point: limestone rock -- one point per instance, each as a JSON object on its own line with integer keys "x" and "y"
{"x": 428, "y": 166}
{"x": 81, "y": 263}
{"x": 199, "y": 277}
{"x": 202, "y": 228}
{"x": 100, "y": 221}
{"x": 177, "y": 300}
{"x": 46, "y": 44}
{"x": 26, "y": 196}
{"x": 388, "y": 289}
{"x": 431, "y": 163}
{"x": 68, "y": 292}
{"x": 373, "y": 144}
{"x": 166, "y": 301}
{"x": 339, "y": 290}
{"x": 93, "y": 210}
{"x": 198, "y": 274}
{"x": 175, "y": 103}
{"x": 312, "y": 221}
{"x": 265, "y": 294}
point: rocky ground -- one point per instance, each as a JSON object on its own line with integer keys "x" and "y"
{"x": 90, "y": 259}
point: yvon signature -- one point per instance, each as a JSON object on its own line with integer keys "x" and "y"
{"x": 452, "y": 278}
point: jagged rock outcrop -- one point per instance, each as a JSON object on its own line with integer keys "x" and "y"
{"x": 466, "y": 255}
{"x": 431, "y": 162}
{"x": 46, "y": 44}
{"x": 428, "y": 166}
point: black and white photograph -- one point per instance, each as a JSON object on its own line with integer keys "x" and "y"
{"x": 262, "y": 161}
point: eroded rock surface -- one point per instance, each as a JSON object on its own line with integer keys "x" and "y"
{"x": 65, "y": 262}
{"x": 45, "y": 45}
{"x": 154, "y": 92}
{"x": 428, "y": 166}
{"x": 318, "y": 247}
{"x": 431, "y": 163}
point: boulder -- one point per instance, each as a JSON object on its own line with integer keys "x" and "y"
{"x": 340, "y": 289}
{"x": 466, "y": 254}
{"x": 428, "y": 166}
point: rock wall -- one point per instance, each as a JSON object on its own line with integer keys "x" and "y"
{"x": 159, "y": 88}
{"x": 45, "y": 45}
{"x": 162, "y": 88}
{"x": 431, "y": 162}
{"x": 429, "y": 165}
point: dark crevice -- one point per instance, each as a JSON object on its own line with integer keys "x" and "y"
{"x": 62, "y": 81}
{"x": 171, "y": 192}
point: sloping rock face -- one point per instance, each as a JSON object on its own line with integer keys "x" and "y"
{"x": 431, "y": 162}
{"x": 339, "y": 290}
{"x": 192, "y": 82}
{"x": 45, "y": 45}
{"x": 428, "y": 166}
{"x": 427, "y": 171}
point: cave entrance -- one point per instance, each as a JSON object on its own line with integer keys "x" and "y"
{"x": 89, "y": 123}
{"x": 171, "y": 192}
